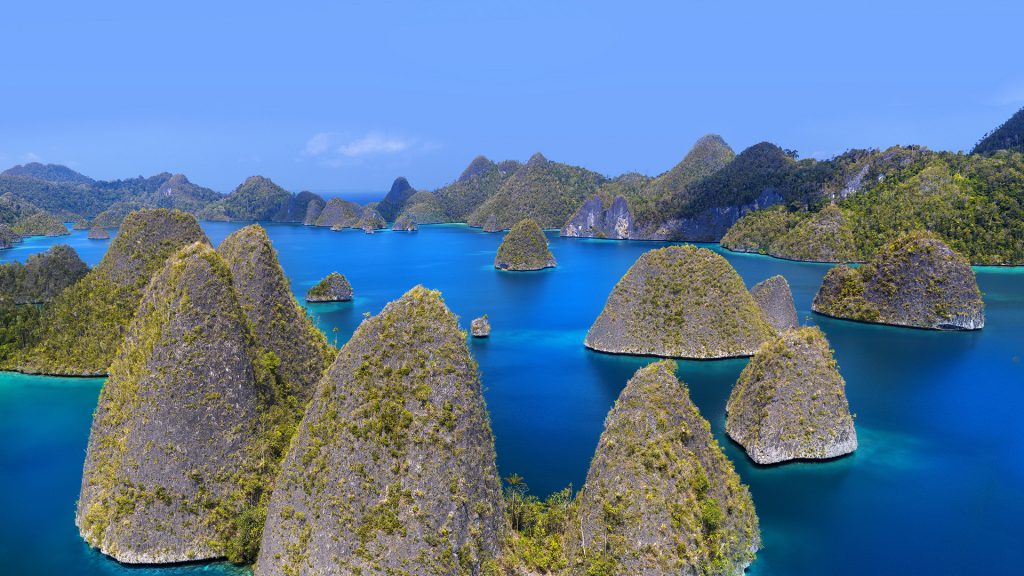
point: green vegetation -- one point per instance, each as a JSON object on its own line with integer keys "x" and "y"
{"x": 974, "y": 203}
{"x": 824, "y": 236}
{"x": 1008, "y": 136}
{"x": 524, "y": 248}
{"x": 257, "y": 198}
{"x": 660, "y": 478}
{"x": 545, "y": 191}
{"x": 917, "y": 280}
{"x": 82, "y": 328}
{"x": 69, "y": 195}
{"x": 680, "y": 301}
{"x": 790, "y": 402}
{"x": 537, "y": 530}
{"x": 42, "y": 277}
{"x": 40, "y": 224}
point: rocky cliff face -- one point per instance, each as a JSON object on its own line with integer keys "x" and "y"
{"x": 168, "y": 446}
{"x": 914, "y": 281}
{"x": 660, "y": 496}
{"x": 592, "y": 220}
{"x": 278, "y": 323}
{"x": 524, "y": 248}
{"x": 790, "y": 402}
{"x": 775, "y": 299}
{"x": 711, "y": 224}
{"x": 83, "y": 328}
{"x": 680, "y": 301}
{"x": 392, "y": 470}
{"x": 491, "y": 225}
{"x": 333, "y": 288}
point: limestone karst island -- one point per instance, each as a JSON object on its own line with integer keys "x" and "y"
{"x": 511, "y": 289}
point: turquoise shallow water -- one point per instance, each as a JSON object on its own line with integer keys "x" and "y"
{"x": 937, "y": 486}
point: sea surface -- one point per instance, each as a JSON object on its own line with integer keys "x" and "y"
{"x": 937, "y": 486}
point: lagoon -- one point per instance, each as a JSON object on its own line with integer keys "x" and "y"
{"x": 935, "y": 488}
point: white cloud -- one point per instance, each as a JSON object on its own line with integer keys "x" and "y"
{"x": 31, "y": 157}
{"x": 336, "y": 149}
{"x": 372, "y": 144}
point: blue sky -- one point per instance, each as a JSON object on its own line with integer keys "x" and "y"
{"x": 345, "y": 96}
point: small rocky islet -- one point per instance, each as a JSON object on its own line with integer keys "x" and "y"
{"x": 332, "y": 288}
{"x": 524, "y": 248}
{"x": 680, "y": 302}
{"x": 98, "y": 233}
{"x": 790, "y": 402}
{"x": 480, "y": 327}
{"x": 660, "y": 496}
{"x": 915, "y": 281}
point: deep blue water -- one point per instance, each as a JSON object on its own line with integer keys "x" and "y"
{"x": 937, "y": 486}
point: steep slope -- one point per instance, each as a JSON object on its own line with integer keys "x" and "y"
{"x": 1008, "y": 136}
{"x": 524, "y": 248}
{"x": 395, "y": 200}
{"x": 915, "y": 281}
{"x": 83, "y": 327}
{"x": 170, "y": 446}
{"x": 393, "y": 469}
{"x": 547, "y": 192}
{"x": 660, "y": 496}
{"x": 279, "y": 324}
{"x": 680, "y": 301}
{"x": 708, "y": 155}
{"x": 790, "y": 402}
